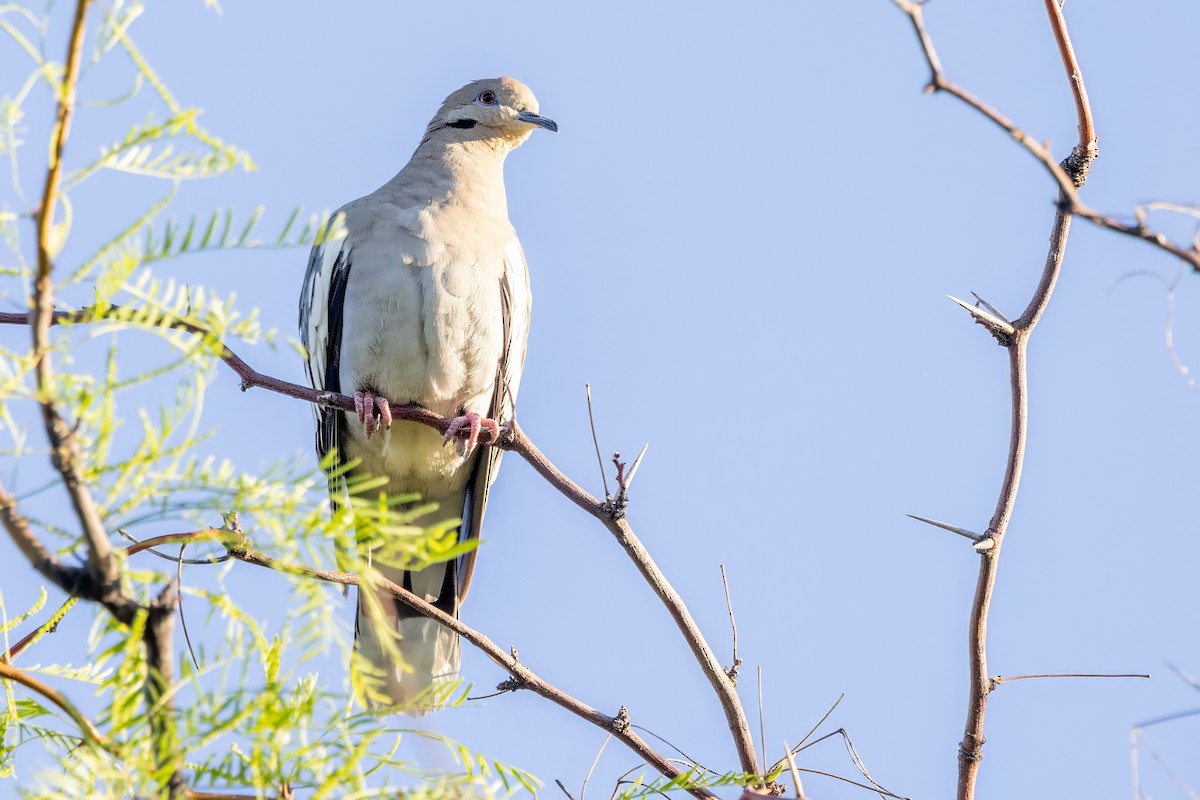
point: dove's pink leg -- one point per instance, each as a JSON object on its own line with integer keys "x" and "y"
{"x": 474, "y": 423}
{"x": 366, "y": 404}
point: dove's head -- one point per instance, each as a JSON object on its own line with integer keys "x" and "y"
{"x": 493, "y": 108}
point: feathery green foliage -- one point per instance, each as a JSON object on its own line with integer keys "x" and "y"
{"x": 259, "y": 708}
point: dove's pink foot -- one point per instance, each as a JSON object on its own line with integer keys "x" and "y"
{"x": 474, "y": 423}
{"x": 374, "y": 412}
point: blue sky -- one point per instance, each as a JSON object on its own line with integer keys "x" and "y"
{"x": 742, "y": 239}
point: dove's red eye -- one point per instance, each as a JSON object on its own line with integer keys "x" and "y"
{"x": 487, "y": 97}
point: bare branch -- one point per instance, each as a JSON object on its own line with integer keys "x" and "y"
{"x": 1069, "y": 176}
{"x": 1072, "y": 166}
{"x": 735, "y": 714}
{"x": 72, "y": 580}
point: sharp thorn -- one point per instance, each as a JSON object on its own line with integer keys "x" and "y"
{"x": 990, "y": 320}
{"x": 636, "y": 463}
{"x": 974, "y": 537}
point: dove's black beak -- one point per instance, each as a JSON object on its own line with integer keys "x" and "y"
{"x": 540, "y": 121}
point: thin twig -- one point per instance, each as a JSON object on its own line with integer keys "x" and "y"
{"x": 762, "y": 727}
{"x": 692, "y": 762}
{"x": 148, "y": 545}
{"x": 595, "y": 761}
{"x": 999, "y": 679}
{"x": 1162, "y": 764}
{"x": 179, "y": 601}
{"x": 732, "y": 671}
{"x": 875, "y": 789}
{"x": 596, "y": 439}
{"x": 1183, "y": 676}
{"x": 515, "y": 440}
{"x": 858, "y": 763}
{"x": 1168, "y": 718}
{"x": 801, "y": 746}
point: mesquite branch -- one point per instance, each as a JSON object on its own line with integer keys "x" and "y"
{"x": 513, "y": 439}
{"x": 1070, "y": 175}
{"x": 64, "y": 449}
{"x": 100, "y": 581}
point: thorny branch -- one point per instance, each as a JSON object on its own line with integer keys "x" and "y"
{"x": 1070, "y": 175}
{"x": 513, "y": 439}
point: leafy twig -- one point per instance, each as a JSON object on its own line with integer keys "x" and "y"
{"x": 90, "y": 732}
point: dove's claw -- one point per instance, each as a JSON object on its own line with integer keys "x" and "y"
{"x": 385, "y": 412}
{"x": 474, "y": 423}
{"x": 373, "y": 411}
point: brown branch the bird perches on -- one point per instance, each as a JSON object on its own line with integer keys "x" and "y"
{"x": 512, "y": 438}
{"x": 236, "y": 545}
{"x": 1069, "y": 175}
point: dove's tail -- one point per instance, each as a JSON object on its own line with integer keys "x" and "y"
{"x": 400, "y": 657}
